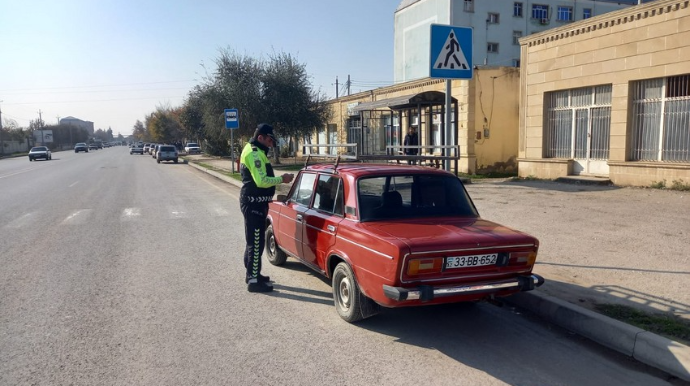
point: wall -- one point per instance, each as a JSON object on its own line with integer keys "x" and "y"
{"x": 643, "y": 42}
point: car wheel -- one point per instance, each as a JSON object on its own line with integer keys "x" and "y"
{"x": 30, "y": 159}
{"x": 175, "y": 160}
{"x": 349, "y": 300}
{"x": 50, "y": 158}
{"x": 159, "y": 161}
{"x": 275, "y": 255}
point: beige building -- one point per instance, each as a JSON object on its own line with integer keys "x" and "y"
{"x": 609, "y": 96}
{"x": 486, "y": 108}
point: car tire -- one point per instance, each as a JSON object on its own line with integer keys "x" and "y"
{"x": 274, "y": 254}
{"x": 159, "y": 161}
{"x": 175, "y": 160}
{"x": 352, "y": 305}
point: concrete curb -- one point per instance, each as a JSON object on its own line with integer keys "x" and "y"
{"x": 646, "y": 347}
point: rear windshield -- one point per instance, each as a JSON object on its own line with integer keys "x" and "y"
{"x": 39, "y": 148}
{"x": 167, "y": 148}
{"x": 412, "y": 196}
{"x": 192, "y": 145}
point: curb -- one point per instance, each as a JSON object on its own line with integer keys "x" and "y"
{"x": 651, "y": 349}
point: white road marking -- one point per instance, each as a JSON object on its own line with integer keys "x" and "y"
{"x": 18, "y": 172}
{"x": 78, "y": 217}
{"x": 20, "y": 221}
{"x": 130, "y": 213}
{"x": 177, "y": 213}
{"x": 74, "y": 184}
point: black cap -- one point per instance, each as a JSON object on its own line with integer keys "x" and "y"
{"x": 265, "y": 129}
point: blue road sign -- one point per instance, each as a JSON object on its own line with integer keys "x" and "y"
{"x": 451, "y": 52}
{"x": 232, "y": 119}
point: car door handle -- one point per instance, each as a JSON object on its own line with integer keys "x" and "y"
{"x": 331, "y": 228}
{"x": 299, "y": 217}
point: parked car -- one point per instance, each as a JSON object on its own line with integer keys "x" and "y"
{"x": 147, "y": 146}
{"x": 192, "y": 148}
{"x": 81, "y": 146}
{"x": 37, "y": 152}
{"x": 93, "y": 146}
{"x": 153, "y": 150}
{"x": 396, "y": 236}
{"x": 136, "y": 149}
{"x": 166, "y": 153}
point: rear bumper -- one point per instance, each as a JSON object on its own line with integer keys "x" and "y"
{"x": 427, "y": 293}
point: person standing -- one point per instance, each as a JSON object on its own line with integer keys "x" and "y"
{"x": 411, "y": 139}
{"x": 258, "y": 188}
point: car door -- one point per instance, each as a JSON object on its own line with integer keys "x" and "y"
{"x": 322, "y": 219}
{"x": 292, "y": 215}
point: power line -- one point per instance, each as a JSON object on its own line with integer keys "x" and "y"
{"x": 94, "y": 86}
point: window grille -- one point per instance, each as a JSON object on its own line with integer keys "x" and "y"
{"x": 517, "y": 9}
{"x": 354, "y": 130}
{"x": 578, "y": 123}
{"x": 540, "y": 11}
{"x": 492, "y": 18}
{"x": 516, "y": 37}
{"x": 492, "y": 47}
{"x": 565, "y": 13}
{"x": 661, "y": 120}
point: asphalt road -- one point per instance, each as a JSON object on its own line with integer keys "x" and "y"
{"x": 116, "y": 270}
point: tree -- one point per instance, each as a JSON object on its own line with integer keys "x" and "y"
{"x": 139, "y": 131}
{"x": 293, "y": 107}
{"x": 163, "y": 125}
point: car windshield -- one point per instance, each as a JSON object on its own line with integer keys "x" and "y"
{"x": 81, "y": 144}
{"x": 39, "y": 148}
{"x": 412, "y": 196}
{"x": 192, "y": 145}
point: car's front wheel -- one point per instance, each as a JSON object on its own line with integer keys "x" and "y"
{"x": 352, "y": 305}
{"x": 159, "y": 161}
{"x": 275, "y": 255}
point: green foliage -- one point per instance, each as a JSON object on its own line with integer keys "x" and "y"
{"x": 658, "y": 185}
{"x": 162, "y": 126}
{"x": 664, "y": 324}
{"x": 680, "y": 185}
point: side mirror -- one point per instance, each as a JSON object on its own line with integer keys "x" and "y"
{"x": 281, "y": 197}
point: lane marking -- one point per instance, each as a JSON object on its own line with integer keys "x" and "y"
{"x": 20, "y": 221}
{"x": 77, "y": 217}
{"x": 74, "y": 184}
{"x": 18, "y": 172}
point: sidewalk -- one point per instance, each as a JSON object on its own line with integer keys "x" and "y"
{"x": 599, "y": 245}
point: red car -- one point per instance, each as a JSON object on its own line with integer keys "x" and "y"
{"x": 394, "y": 236}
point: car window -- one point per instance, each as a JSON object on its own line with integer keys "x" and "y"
{"x": 167, "y": 148}
{"x": 38, "y": 148}
{"x": 328, "y": 196}
{"x": 304, "y": 188}
{"x": 412, "y": 196}
{"x": 192, "y": 145}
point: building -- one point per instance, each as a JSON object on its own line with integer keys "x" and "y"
{"x": 609, "y": 96}
{"x": 497, "y": 27}
{"x": 86, "y": 125}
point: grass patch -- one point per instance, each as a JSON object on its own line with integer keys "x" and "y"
{"x": 679, "y": 185}
{"x": 487, "y": 175}
{"x": 667, "y": 325}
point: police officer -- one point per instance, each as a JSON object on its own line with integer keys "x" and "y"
{"x": 258, "y": 188}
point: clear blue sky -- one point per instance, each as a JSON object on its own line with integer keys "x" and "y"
{"x": 114, "y": 61}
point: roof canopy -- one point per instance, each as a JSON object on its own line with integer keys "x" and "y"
{"x": 406, "y": 102}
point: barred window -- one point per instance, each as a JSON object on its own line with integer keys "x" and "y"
{"x": 578, "y": 123}
{"x": 565, "y": 13}
{"x": 661, "y": 120}
{"x": 517, "y": 9}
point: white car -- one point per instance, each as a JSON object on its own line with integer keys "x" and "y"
{"x": 192, "y": 148}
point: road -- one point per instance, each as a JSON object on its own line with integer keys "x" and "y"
{"x": 120, "y": 271}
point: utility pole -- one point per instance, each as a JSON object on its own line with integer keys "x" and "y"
{"x": 40, "y": 122}
{"x": 348, "y": 85}
{"x": 336, "y": 88}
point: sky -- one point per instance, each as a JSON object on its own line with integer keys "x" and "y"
{"x": 112, "y": 62}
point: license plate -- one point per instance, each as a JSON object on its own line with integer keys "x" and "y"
{"x": 471, "y": 261}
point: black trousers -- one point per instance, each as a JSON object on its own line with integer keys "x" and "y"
{"x": 254, "y": 233}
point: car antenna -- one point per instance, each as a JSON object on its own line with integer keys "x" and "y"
{"x": 306, "y": 163}
{"x": 337, "y": 161}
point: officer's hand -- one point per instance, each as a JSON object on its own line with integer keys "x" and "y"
{"x": 287, "y": 177}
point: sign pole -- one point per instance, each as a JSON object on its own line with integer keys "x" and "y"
{"x": 232, "y": 151}
{"x": 232, "y": 122}
{"x": 448, "y": 124}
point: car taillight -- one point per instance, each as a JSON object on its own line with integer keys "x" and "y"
{"x": 527, "y": 258}
{"x": 425, "y": 266}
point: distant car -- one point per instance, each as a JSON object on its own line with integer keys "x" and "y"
{"x": 154, "y": 150}
{"x": 81, "y": 146}
{"x": 37, "y": 152}
{"x": 192, "y": 148}
{"x": 396, "y": 236}
{"x": 166, "y": 153}
{"x": 147, "y": 146}
{"x": 136, "y": 149}
{"x": 93, "y": 146}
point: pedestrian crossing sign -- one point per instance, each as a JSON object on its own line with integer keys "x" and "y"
{"x": 451, "y": 52}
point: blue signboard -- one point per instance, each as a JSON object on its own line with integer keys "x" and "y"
{"x": 232, "y": 119}
{"x": 451, "y": 52}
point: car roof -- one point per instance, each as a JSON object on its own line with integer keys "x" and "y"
{"x": 370, "y": 169}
